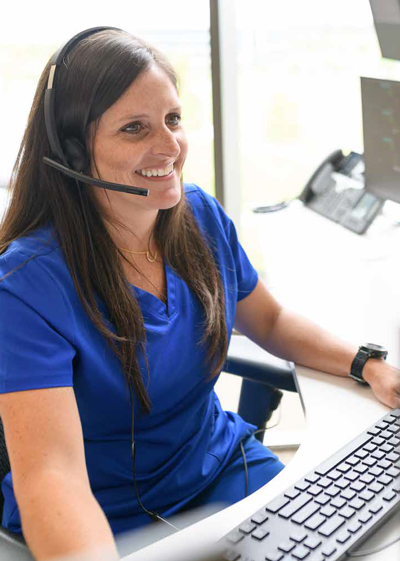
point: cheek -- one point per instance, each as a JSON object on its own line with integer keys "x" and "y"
{"x": 184, "y": 146}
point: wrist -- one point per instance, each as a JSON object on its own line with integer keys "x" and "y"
{"x": 364, "y": 366}
{"x": 371, "y": 370}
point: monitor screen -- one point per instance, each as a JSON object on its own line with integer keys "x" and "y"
{"x": 386, "y": 14}
{"x": 381, "y": 131}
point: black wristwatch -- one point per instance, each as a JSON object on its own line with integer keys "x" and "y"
{"x": 369, "y": 350}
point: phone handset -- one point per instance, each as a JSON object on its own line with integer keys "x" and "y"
{"x": 321, "y": 179}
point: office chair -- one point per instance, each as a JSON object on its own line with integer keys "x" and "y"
{"x": 262, "y": 375}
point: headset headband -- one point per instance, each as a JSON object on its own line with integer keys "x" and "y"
{"x": 49, "y": 98}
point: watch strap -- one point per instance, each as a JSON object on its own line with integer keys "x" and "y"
{"x": 357, "y": 366}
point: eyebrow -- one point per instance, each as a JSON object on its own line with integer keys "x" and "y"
{"x": 130, "y": 117}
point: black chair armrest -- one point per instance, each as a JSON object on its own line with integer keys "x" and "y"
{"x": 251, "y": 362}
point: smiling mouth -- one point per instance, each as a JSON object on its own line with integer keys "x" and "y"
{"x": 162, "y": 172}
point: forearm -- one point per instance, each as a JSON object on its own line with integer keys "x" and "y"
{"x": 300, "y": 340}
{"x": 63, "y": 519}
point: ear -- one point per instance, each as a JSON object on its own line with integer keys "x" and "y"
{"x": 76, "y": 154}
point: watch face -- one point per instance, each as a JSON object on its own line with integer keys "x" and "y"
{"x": 375, "y": 348}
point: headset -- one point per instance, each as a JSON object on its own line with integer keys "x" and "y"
{"x": 71, "y": 157}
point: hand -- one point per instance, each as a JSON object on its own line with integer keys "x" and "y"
{"x": 384, "y": 380}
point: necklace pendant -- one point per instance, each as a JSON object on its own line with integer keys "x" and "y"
{"x": 150, "y": 257}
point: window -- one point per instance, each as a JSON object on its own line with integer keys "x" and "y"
{"x": 178, "y": 28}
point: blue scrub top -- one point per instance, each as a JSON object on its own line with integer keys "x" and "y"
{"x": 47, "y": 340}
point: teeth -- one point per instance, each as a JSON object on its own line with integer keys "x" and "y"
{"x": 156, "y": 172}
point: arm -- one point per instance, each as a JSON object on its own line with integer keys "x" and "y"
{"x": 59, "y": 513}
{"x": 293, "y": 337}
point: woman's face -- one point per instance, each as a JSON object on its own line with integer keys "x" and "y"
{"x": 140, "y": 142}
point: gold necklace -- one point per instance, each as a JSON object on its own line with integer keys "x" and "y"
{"x": 150, "y": 257}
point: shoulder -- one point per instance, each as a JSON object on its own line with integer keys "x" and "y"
{"x": 205, "y": 207}
{"x": 33, "y": 270}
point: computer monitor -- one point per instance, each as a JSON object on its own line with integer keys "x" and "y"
{"x": 381, "y": 131}
{"x": 386, "y": 14}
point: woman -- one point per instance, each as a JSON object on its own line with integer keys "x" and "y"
{"x": 104, "y": 292}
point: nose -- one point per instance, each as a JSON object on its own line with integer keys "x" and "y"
{"x": 165, "y": 143}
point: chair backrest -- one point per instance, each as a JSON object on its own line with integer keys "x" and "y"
{"x": 4, "y": 465}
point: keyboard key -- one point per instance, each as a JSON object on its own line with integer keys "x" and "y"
{"x": 362, "y": 454}
{"x": 393, "y": 472}
{"x": 324, "y": 482}
{"x": 386, "y": 434}
{"x": 354, "y": 527}
{"x": 378, "y": 441}
{"x": 347, "y": 512}
{"x": 353, "y": 461}
{"x": 334, "y": 475}
{"x": 367, "y": 478}
{"x": 342, "y": 483}
{"x": 361, "y": 468}
{"x": 378, "y": 455}
{"x": 389, "y": 496}
{"x": 294, "y": 506}
{"x": 385, "y": 479}
{"x": 369, "y": 461}
{"x": 376, "y": 471}
{"x": 344, "y": 468}
{"x": 328, "y": 550}
{"x": 276, "y": 505}
{"x": 247, "y": 527}
{"x": 343, "y": 536}
{"x": 312, "y": 478}
{"x": 292, "y": 493}
{"x": 374, "y": 431}
{"x": 259, "y": 534}
{"x": 331, "y": 525}
{"x": 322, "y": 500}
{"x": 352, "y": 475}
{"x": 332, "y": 491}
{"x": 384, "y": 464}
{"x": 300, "y": 552}
{"x": 274, "y": 556}
{"x": 315, "y": 522}
{"x": 260, "y": 517}
{"x": 357, "y": 486}
{"x": 357, "y": 504}
{"x": 375, "y": 508}
{"x": 298, "y": 536}
{"x": 307, "y": 511}
{"x": 366, "y": 495}
{"x": 328, "y": 511}
{"x": 302, "y": 485}
{"x": 235, "y": 536}
{"x": 315, "y": 490}
{"x": 376, "y": 487}
{"x": 394, "y": 442}
{"x": 348, "y": 494}
{"x": 338, "y": 502}
{"x": 364, "y": 518}
{"x": 370, "y": 447}
{"x": 387, "y": 448}
{"x": 312, "y": 542}
{"x": 287, "y": 546}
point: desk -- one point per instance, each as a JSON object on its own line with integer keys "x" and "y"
{"x": 349, "y": 284}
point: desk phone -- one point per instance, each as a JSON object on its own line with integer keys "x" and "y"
{"x": 336, "y": 191}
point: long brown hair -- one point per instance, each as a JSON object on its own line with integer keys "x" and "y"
{"x": 95, "y": 74}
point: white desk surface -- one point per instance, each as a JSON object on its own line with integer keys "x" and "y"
{"x": 349, "y": 284}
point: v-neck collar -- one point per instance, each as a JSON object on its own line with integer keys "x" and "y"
{"x": 152, "y": 303}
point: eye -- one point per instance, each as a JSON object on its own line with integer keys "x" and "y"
{"x": 133, "y": 128}
{"x": 174, "y": 119}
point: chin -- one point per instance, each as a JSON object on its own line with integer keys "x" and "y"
{"x": 167, "y": 199}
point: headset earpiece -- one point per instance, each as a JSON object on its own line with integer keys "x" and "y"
{"x": 76, "y": 154}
